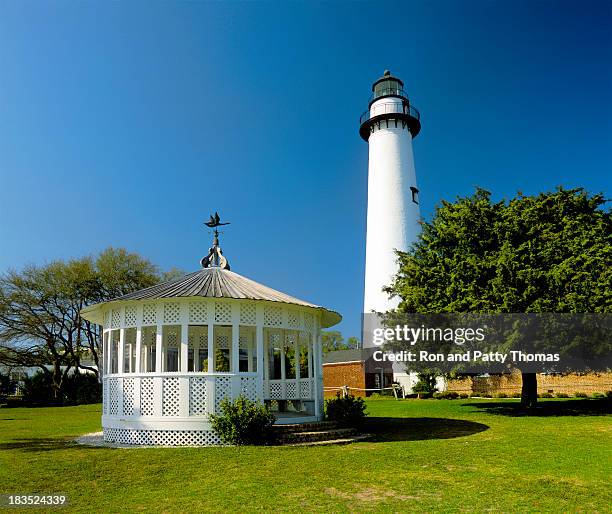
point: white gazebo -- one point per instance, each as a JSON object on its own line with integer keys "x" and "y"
{"x": 174, "y": 351}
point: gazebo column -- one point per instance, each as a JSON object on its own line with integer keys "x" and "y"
{"x": 138, "y": 369}
{"x": 315, "y": 375}
{"x": 259, "y": 342}
{"x": 283, "y": 363}
{"x": 310, "y": 348}
{"x": 235, "y": 361}
{"x": 120, "y": 369}
{"x": 296, "y": 362}
{"x": 210, "y": 382}
{"x": 120, "y": 352}
{"x": 158, "y": 382}
{"x": 108, "y": 358}
{"x": 184, "y": 361}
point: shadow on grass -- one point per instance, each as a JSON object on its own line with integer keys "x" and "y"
{"x": 419, "y": 429}
{"x": 42, "y": 444}
{"x": 587, "y": 407}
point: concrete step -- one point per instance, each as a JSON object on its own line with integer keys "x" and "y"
{"x": 305, "y": 427}
{"x": 309, "y": 436}
{"x": 344, "y": 440}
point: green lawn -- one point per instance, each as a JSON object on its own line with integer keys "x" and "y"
{"x": 428, "y": 455}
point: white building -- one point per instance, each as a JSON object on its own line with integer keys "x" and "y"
{"x": 389, "y": 126}
{"x": 174, "y": 351}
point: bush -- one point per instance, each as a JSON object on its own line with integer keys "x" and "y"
{"x": 463, "y": 396}
{"x": 516, "y": 395}
{"x": 77, "y": 389}
{"x": 546, "y": 395}
{"x": 426, "y": 384}
{"x": 609, "y": 394}
{"x": 82, "y": 388}
{"x": 348, "y": 411}
{"x": 7, "y": 386}
{"x": 599, "y": 395}
{"x": 243, "y": 421}
{"x": 501, "y": 395}
{"x": 446, "y": 395}
{"x": 37, "y": 389}
{"x": 561, "y": 395}
{"x": 579, "y": 394}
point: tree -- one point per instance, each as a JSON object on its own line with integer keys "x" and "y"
{"x": 40, "y": 320}
{"x": 548, "y": 253}
{"x": 333, "y": 340}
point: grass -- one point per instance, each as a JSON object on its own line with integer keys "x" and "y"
{"x": 427, "y": 455}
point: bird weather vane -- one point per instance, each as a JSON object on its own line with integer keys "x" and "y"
{"x": 215, "y": 255}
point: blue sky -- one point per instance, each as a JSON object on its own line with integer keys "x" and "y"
{"x": 126, "y": 124}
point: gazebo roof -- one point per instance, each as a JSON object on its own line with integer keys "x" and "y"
{"x": 214, "y": 282}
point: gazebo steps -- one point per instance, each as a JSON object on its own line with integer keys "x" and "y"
{"x": 312, "y": 436}
{"x": 344, "y": 440}
{"x": 304, "y": 427}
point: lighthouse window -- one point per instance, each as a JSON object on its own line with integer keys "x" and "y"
{"x": 415, "y": 194}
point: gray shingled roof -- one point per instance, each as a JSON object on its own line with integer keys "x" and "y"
{"x": 218, "y": 283}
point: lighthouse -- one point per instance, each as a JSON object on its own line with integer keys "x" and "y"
{"x": 389, "y": 126}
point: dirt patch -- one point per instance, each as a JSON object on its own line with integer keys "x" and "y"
{"x": 370, "y": 495}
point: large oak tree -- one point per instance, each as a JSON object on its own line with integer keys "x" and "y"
{"x": 548, "y": 253}
{"x": 40, "y": 321}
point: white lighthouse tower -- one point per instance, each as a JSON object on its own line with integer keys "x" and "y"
{"x": 389, "y": 126}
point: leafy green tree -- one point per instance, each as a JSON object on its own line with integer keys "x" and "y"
{"x": 40, "y": 320}
{"x": 533, "y": 254}
{"x": 333, "y": 340}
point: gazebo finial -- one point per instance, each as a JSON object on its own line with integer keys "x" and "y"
{"x": 215, "y": 258}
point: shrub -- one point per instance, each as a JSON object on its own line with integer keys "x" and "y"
{"x": 501, "y": 395}
{"x": 446, "y": 395}
{"x": 516, "y": 395}
{"x": 546, "y": 395}
{"x": 347, "y": 411}
{"x": 463, "y": 396}
{"x": 562, "y": 395}
{"x": 7, "y": 386}
{"x": 82, "y": 388}
{"x": 37, "y": 389}
{"x": 609, "y": 394}
{"x": 77, "y": 389}
{"x": 426, "y": 384}
{"x": 599, "y": 395}
{"x": 579, "y": 394}
{"x": 243, "y": 421}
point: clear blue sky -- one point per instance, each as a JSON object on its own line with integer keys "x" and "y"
{"x": 127, "y": 123}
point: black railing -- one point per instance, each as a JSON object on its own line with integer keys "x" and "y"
{"x": 390, "y": 108}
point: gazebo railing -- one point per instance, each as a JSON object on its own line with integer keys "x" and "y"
{"x": 289, "y": 389}
{"x": 185, "y": 395}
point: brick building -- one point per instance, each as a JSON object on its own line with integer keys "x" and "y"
{"x": 354, "y": 368}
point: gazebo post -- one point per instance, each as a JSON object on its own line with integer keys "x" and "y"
{"x": 283, "y": 335}
{"x": 138, "y": 368}
{"x": 184, "y": 362}
{"x": 121, "y": 353}
{"x": 259, "y": 341}
{"x": 211, "y": 343}
{"x": 235, "y": 351}
{"x": 184, "y": 338}
{"x": 210, "y": 380}
{"x": 315, "y": 375}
